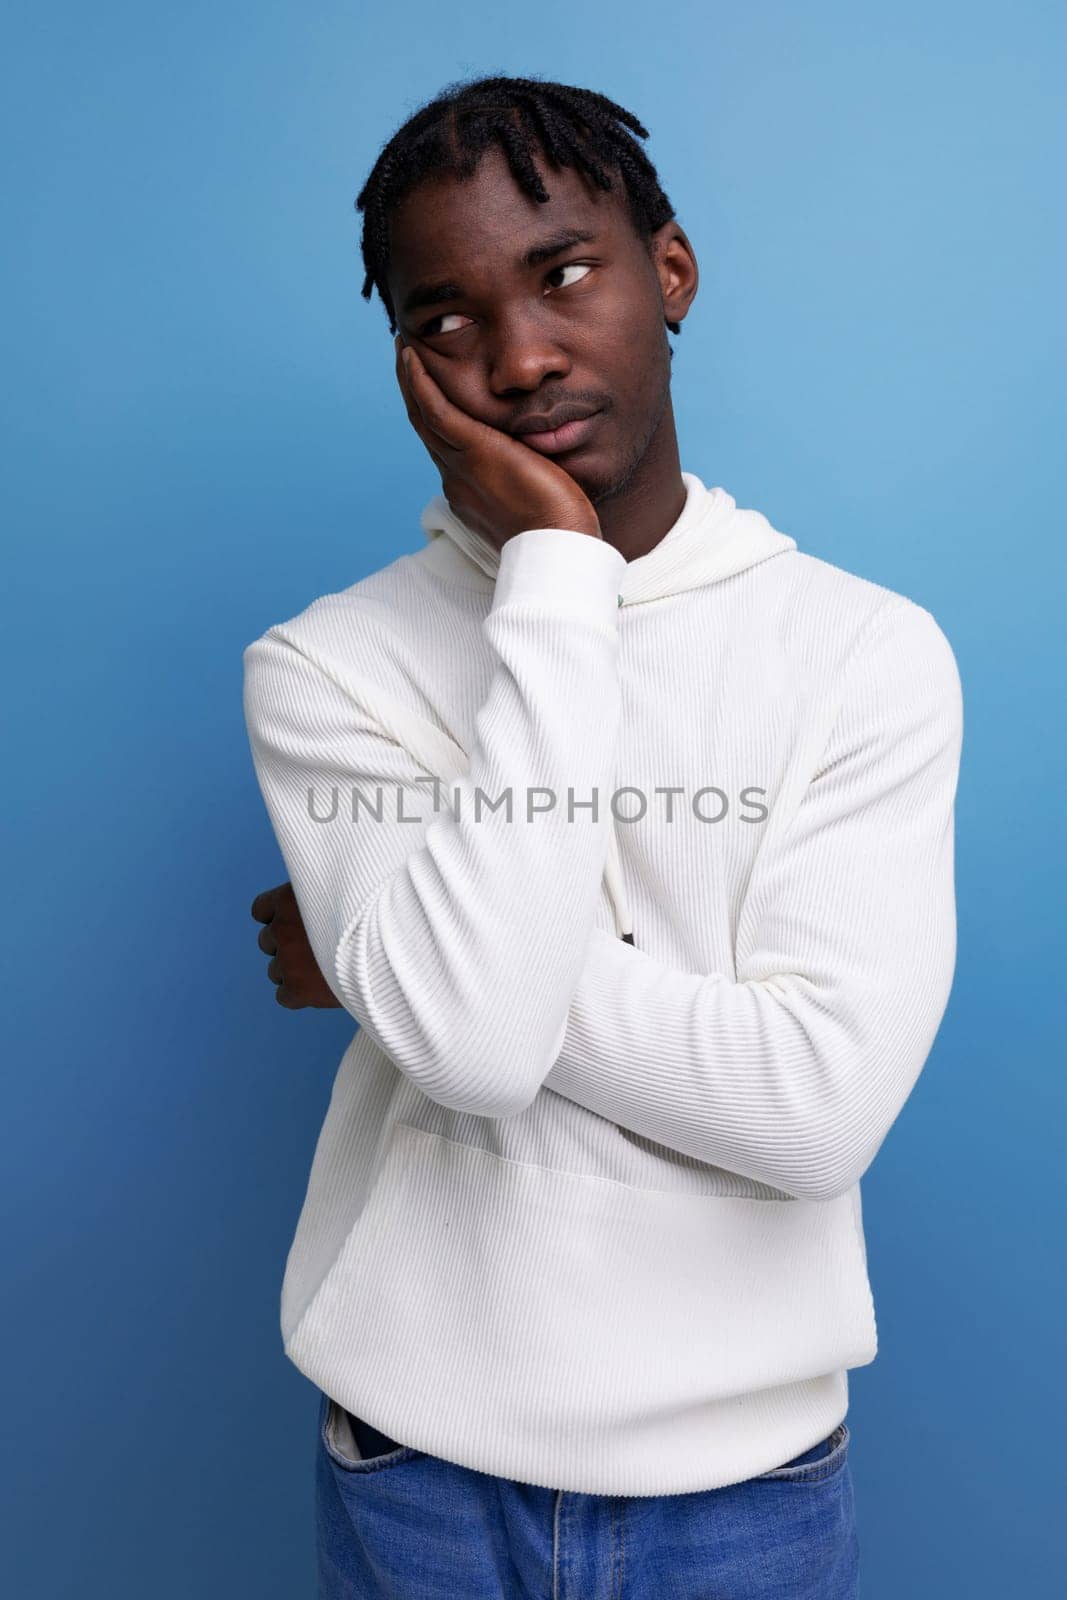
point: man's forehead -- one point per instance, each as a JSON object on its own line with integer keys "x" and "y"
{"x": 447, "y": 220}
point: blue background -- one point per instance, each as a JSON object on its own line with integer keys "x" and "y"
{"x": 202, "y": 433}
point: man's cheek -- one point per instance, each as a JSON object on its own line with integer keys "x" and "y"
{"x": 459, "y": 394}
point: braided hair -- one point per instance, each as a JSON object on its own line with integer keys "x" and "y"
{"x": 572, "y": 127}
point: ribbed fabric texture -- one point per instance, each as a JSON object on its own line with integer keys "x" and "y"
{"x": 585, "y": 1213}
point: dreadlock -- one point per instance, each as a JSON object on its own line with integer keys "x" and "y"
{"x": 573, "y": 128}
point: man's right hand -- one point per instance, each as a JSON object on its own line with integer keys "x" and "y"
{"x": 493, "y": 482}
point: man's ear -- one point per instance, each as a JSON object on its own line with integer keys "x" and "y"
{"x": 675, "y": 263}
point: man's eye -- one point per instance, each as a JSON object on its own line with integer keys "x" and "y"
{"x": 570, "y": 266}
{"x": 428, "y": 329}
{"x": 431, "y": 328}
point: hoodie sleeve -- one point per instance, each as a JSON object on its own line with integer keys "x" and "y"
{"x": 453, "y": 931}
{"x": 793, "y": 1073}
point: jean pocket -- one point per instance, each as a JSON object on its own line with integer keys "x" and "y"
{"x": 335, "y": 1436}
{"x": 831, "y": 1458}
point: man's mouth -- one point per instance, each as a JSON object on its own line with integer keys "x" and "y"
{"x": 554, "y": 441}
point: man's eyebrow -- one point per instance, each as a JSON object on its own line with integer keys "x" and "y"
{"x": 436, "y": 294}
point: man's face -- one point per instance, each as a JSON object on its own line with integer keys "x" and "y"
{"x": 584, "y": 324}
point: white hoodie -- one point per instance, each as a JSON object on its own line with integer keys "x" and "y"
{"x": 585, "y": 1208}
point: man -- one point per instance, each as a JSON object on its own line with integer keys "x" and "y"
{"x": 624, "y": 830}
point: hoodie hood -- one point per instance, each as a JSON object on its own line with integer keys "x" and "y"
{"x": 711, "y": 540}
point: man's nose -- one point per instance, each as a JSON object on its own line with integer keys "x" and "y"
{"x": 523, "y": 356}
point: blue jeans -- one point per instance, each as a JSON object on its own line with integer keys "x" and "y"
{"x": 395, "y": 1523}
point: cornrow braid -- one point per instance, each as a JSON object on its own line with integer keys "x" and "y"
{"x": 573, "y": 127}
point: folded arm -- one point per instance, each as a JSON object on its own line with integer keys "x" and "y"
{"x": 793, "y": 1073}
{"x": 455, "y": 937}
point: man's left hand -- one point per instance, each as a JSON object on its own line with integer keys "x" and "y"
{"x": 292, "y": 965}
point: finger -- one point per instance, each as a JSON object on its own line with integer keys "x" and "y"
{"x": 455, "y": 427}
{"x": 403, "y": 377}
{"x": 267, "y": 941}
{"x": 274, "y": 971}
{"x": 443, "y": 419}
{"x": 414, "y": 416}
{"x": 434, "y": 444}
{"x": 264, "y": 905}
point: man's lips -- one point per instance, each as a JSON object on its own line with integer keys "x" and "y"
{"x": 554, "y": 441}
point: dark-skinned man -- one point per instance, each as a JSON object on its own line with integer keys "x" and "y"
{"x": 623, "y": 829}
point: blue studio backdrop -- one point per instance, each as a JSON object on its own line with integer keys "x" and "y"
{"x": 202, "y": 433}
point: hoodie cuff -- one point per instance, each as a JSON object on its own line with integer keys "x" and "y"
{"x": 562, "y": 571}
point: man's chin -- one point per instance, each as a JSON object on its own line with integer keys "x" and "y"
{"x": 594, "y": 482}
{"x": 598, "y": 487}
